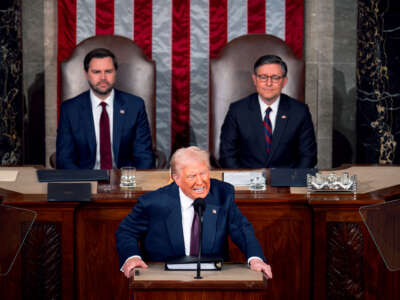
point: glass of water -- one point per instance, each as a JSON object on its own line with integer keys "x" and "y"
{"x": 128, "y": 177}
{"x": 257, "y": 181}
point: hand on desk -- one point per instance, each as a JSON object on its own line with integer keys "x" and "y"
{"x": 133, "y": 263}
{"x": 258, "y": 265}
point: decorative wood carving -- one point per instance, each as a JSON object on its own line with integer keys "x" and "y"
{"x": 344, "y": 261}
{"x": 41, "y": 263}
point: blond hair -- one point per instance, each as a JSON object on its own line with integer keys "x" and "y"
{"x": 184, "y": 156}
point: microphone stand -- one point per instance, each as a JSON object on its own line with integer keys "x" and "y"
{"x": 200, "y": 240}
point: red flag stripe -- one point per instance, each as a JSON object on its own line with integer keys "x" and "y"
{"x": 255, "y": 16}
{"x": 294, "y": 28}
{"x": 180, "y": 92}
{"x": 143, "y": 16}
{"x": 104, "y": 17}
{"x": 218, "y": 26}
{"x": 66, "y": 38}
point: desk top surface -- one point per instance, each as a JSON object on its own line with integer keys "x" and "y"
{"x": 375, "y": 182}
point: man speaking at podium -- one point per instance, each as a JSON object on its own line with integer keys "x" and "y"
{"x": 162, "y": 220}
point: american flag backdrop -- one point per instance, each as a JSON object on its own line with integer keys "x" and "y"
{"x": 180, "y": 36}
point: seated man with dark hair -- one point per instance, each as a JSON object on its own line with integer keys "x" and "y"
{"x": 268, "y": 129}
{"x": 162, "y": 220}
{"x": 103, "y": 128}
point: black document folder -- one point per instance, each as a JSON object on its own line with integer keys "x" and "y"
{"x": 290, "y": 177}
{"x": 72, "y": 175}
{"x": 189, "y": 263}
{"x": 69, "y": 192}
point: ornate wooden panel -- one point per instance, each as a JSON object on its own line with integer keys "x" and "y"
{"x": 41, "y": 263}
{"x": 344, "y": 261}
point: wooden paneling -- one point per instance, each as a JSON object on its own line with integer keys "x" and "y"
{"x": 318, "y": 247}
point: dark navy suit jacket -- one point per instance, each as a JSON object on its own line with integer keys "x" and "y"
{"x": 156, "y": 221}
{"x": 76, "y": 139}
{"x": 242, "y": 141}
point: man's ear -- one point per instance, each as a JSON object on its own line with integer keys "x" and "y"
{"x": 285, "y": 81}
{"x": 254, "y": 77}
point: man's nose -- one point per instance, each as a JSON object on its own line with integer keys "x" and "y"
{"x": 198, "y": 179}
{"x": 269, "y": 81}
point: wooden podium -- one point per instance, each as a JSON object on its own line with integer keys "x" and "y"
{"x": 234, "y": 281}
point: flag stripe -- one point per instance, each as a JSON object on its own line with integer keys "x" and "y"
{"x": 237, "y": 18}
{"x": 275, "y": 16}
{"x": 218, "y": 26}
{"x": 104, "y": 17}
{"x": 85, "y": 20}
{"x": 66, "y": 38}
{"x": 256, "y": 16}
{"x": 124, "y": 18}
{"x": 161, "y": 52}
{"x": 142, "y": 27}
{"x": 180, "y": 73}
{"x": 295, "y": 25}
{"x": 199, "y": 53}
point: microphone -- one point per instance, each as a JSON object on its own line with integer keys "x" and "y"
{"x": 199, "y": 206}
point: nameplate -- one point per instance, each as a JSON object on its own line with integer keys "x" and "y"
{"x": 80, "y": 192}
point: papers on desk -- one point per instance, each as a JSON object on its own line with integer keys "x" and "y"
{"x": 240, "y": 178}
{"x": 8, "y": 175}
{"x": 189, "y": 263}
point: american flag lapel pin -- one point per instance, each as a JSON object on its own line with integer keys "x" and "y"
{"x": 214, "y": 211}
{"x": 121, "y": 111}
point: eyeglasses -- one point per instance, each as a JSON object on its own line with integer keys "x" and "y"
{"x": 274, "y": 78}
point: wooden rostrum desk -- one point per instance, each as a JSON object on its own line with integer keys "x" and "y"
{"x": 318, "y": 246}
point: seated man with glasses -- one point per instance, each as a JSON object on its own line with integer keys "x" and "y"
{"x": 268, "y": 129}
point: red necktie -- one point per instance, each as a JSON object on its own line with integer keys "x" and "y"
{"x": 194, "y": 237}
{"x": 268, "y": 130}
{"x": 105, "y": 141}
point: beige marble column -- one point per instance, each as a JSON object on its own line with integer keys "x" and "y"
{"x": 50, "y": 69}
{"x": 330, "y": 56}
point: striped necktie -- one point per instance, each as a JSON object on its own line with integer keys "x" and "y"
{"x": 268, "y": 130}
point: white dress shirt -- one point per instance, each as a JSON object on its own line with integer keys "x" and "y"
{"x": 187, "y": 219}
{"x": 96, "y": 110}
{"x": 274, "y": 110}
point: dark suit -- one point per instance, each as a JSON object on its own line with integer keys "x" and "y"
{"x": 156, "y": 221}
{"x": 242, "y": 143}
{"x": 76, "y": 138}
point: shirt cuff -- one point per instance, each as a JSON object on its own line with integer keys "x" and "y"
{"x": 253, "y": 257}
{"x": 122, "y": 268}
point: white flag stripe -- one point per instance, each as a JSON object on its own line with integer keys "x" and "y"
{"x": 124, "y": 18}
{"x": 199, "y": 55}
{"x": 85, "y": 19}
{"x": 275, "y": 17}
{"x": 162, "y": 55}
{"x": 237, "y": 18}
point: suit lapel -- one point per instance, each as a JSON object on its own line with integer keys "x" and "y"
{"x": 280, "y": 126}
{"x": 86, "y": 116}
{"x": 258, "y": 127}
{"x": 173, "y": 222}
{"x": 118, "y": 119}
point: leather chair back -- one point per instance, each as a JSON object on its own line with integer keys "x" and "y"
{"x": 135, "y": 75}
{"x": 230, "y": 77}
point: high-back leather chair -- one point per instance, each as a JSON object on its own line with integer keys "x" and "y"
{"x": 230, "y": 78}
{"x": 136, "y": 75}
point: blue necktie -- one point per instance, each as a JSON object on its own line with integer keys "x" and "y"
{"x": 268, "y": 130}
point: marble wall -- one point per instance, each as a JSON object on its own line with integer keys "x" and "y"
{"x": 378, "y": 94}
{"x": 11, "y": 96}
